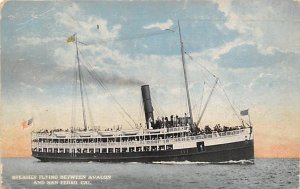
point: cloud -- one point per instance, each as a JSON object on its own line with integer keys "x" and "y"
{"x": 34, "y": 40}
{"x": 216, "y": 53}
{"x": 271, "y": 25}
{"x": 72, "y": 20}
{"x": 260, "y": 76}
{"x": 85, "y": 26}
{"x": 33, "y": 17}
{"x": 160, "y": 25}
{"x": 30, "y": 87}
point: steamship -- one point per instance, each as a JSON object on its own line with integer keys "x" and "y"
{"x": 173, "y": 138}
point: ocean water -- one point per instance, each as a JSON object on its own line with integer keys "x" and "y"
{"x": 264, "y": 173}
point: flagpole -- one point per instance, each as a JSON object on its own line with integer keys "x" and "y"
{"x": 249, "y": 118}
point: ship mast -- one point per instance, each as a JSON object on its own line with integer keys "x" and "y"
{"x": 185, "y": 75}
{"x": 80, "y": 83}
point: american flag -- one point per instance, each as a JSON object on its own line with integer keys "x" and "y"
{"x": 244, "y": 112}
{"x": 27, "y": 123}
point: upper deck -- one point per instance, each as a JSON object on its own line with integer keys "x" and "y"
{"x": 111, "y": 134}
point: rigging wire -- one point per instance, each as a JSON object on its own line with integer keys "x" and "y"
{"x": 157, "y": 103}
{"x": 87, "y": 102}
{"x": 221, "y": 87}
{"x": 100, "y": 82}
{"x": 201, "y": 99}
{"x": 74, "y": 97}
{"x": 157, "y": 107}
{"x": 231, "y": 105}
{"x": 141, "y": 106}
{"x": 91, "y": 72}
{"x": 135, "y": 36}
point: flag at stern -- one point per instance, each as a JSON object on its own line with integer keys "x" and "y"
{"x": 244, "y": 112}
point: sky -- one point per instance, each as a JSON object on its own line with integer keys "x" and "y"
{"x": 252, "y": 47}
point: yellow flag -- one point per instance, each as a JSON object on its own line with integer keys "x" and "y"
{"x": 71, "y": 39}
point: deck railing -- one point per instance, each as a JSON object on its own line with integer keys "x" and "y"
{"x": 137, "y": 143}
{"x": 114, "y": 133}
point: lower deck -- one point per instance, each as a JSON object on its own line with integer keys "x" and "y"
{"x": 243, "y": 150}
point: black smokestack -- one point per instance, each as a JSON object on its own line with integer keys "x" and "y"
{"x": 148, "y": 109}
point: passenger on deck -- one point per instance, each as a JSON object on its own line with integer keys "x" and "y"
{"x": 176, "y": 121}
{"x": 163, "y": 122}
{"x": 159, "y": 123}
{"x": 167, "y": 122}
{"x": 172, "y": 120}
{"x": 207, "y": 129}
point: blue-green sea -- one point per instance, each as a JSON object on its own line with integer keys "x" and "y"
{"x": 30, "y": 173}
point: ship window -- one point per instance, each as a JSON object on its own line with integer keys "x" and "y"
{"x": 50, "y": 150}
{"x": 146, "y": 148}
{"x": 117, "y": 139}
{"x": 131, "y": 149}
{"x": 161, "y": 136}
{"x": 67, "y": 150}
{"x": 108, "y": 139}
{"x": 44, "y": 149}
{"x": 104, "y": 150}
{"x": 40, "y": 140}
{"x": 66, "y": 140}
{"x": 105, "y": 140}
{"x": 78, "y": 150}
{"x": 169, "y": 147}
{"x": 91, "y": 150}
{"x": 138, "y": 149}
{"x": 97, "y": 150}
{"x": 147, "y": 137}
{"x": 131, "y": 138}
{"x": 124, "y": 149}
{"x": 61, "y": 150}
{"x": 110, "y": 150}
{"x": 84, "y": 150}
{"x": 162, "y": 147}
{"x": 40, "y": 149}
{"x": 117, "y": 150}
{"x": 153, "y": 148}
{"x": 55, "y": 150}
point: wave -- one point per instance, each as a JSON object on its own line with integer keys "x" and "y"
{"x": 180, "y": 162}
{"x": 237, "y": 162}
{"x": 242, "y": 162}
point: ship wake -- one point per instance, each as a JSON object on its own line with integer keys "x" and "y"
{"x": 241, "y": 162}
